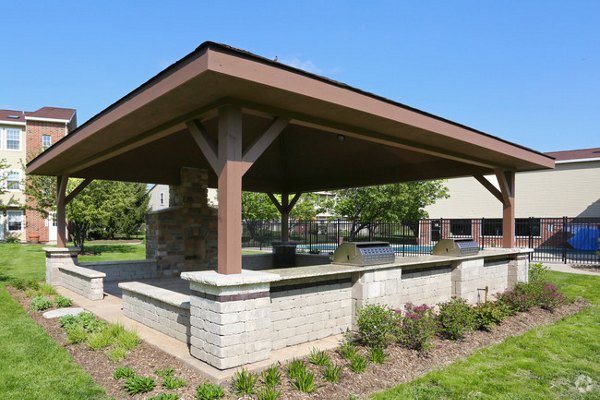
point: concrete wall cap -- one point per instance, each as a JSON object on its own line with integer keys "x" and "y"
{"x": 164, "y": 295}
{"x": 61, "y": 249}
{"x": 115, "y": 263}
{"x": 85, "y": 272}
{"x": 213, "y": 278}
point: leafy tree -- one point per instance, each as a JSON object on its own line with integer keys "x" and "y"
{"x": 104, "y": 209}
{"x": 365, "y": 207}
{"x": 257, "y": 209}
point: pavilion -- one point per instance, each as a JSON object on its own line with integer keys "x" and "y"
{"x": 258, "y": 125}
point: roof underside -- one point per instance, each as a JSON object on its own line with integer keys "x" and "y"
{"x": 337, "y": 136}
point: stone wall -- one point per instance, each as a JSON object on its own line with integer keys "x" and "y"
{"x": 380, "y": 286}
{"x": 427, "y": 285}
{"x": 183, "y": 237}
{"x": 126, "y": 270}
{"x": 83, "y": 281}
{"x": 164, "y": 310}
{"x": 474, "y": 280}
{"x": 307, "y": 311}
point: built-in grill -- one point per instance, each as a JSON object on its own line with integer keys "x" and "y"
{"x": 363, "y": 253}
{"x": 456, "y": 247}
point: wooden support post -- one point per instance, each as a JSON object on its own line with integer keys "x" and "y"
{"x": 61, "y": 216}
{"x": 506, "y": 180}
{"x": 229, "y": 250}
{"x": 285, "y": 217}
{"x": 230, "y": 163}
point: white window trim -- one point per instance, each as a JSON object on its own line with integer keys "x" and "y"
{"x": 44, "y": 146}
{"x": 5, "y": 174}
{"x": 22, "y": 215}
{"x": 5, "y": 139}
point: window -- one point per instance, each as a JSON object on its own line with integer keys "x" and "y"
{"x": 14, "y": 220}
{"x": 528, "y": 227}
{"x": 13, "y": 139}
{"x": 492, "y": 227}
{"x": 460, "y": 227}
{"x": 13, "y": 180}
{"x": 46, "y": 141}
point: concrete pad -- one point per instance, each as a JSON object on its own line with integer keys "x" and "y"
{"x": 567, "y": 268}
{"x": 61, "y": 312}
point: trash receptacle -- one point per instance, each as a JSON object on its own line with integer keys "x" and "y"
{"x": 284, "y": 254}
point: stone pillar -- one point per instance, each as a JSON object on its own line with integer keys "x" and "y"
{"x": 377, "y": 287}
{"x": 518, "y": 270}
{"x": 230, "y": 317}
{"x": 59, "y": 257}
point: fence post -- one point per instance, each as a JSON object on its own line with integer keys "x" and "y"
{"x": 564, "y": 240}
{"x": 482, "y": 233}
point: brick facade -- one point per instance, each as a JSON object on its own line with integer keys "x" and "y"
{"x": 35, "y": 223}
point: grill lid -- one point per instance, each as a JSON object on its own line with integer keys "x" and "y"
{"x": 363, "y": 253}
{"x": 456, "y": 247}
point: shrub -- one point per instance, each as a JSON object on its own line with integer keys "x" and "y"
{"x": 417, "y": 327}
{"x": 164, "y": 396}
{"x": 304, "y": 381}
{"x": 358, "y": 364}
{"x": 520, "y": 298}
{"x": 100, "y": 340}
{"x": 209, "y": 391}
{"x": 18, "y": 283}
{"x": 487, "y": 315}
{"x": 76, "y": 334}
{"x": 63, "y": 302}
{"x": 319, "y": 357}
{"x": 127, "y": 340}
{"x": 45, "y": 289}
{"x": 375, "y": 325}
{"x": 268, "y": 393}
{"x": 272, "y": 376}
{"x": 332, "y": 373}
{"x": 295, "y": 368}
{"x": 170, "y": 382}
{"x": 377, "y": 355}
{"x": 139, "y": 384}
{"x": 40, "y": 303}
{"x": 455, "y": 319}
{"x": 550, "y": 297}
{"x": 123, "y": 372}
{"x": 243, "y": 382}
{"x": 538, "y": 273}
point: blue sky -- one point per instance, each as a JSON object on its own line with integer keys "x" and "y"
{"x": 526, "y": 71}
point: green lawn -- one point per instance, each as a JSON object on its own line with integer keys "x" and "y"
{"x": 552, "y": 362}
{"x": 32, "y": 365}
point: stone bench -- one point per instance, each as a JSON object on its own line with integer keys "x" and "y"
{"x": 86, "y": 282}
{"x": 161, "y": 309}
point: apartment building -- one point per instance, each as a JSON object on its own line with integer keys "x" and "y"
{"x": 23, "y": 135}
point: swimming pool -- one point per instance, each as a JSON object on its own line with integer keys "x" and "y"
{"x": 398, "y": 248}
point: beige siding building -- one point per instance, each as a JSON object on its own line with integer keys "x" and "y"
{"x": 572, "y": 189}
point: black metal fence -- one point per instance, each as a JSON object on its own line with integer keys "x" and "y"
{"x": 564, "y": 239}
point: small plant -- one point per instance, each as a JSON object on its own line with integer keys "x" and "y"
{"x": 164, "y": 396}
{"x": 116, "y": 354}
{"x": 520, "y": 298}
{"x": 295, "y": 368}
{"x": 538, "y": 273}
{"x": 550, "y": 297}
{"x": 304, "y": 381}
{"x": 455, "y": 318}
{"x": 18, "y": 283}
{"x": 376, "y": 325}
{"x": 40, "y": 303}
{"x": 127, "y": 340}
{"x": 332, "y": 373}
{"x": 272, "y": 376}
{"x": 358, "y": 364}
{"x": 45, "y": 289}
{"x": 76, "y": 334}
{"x": 377, "y": 355}
{"x": 123, "y": 372}
{"x": 170, "y": 382}
{"x": 209, "y": 391}
{"x": 139, "y": 384}
{"x": 100, "y": 340}
{"x": 348, "y": 350}
{"x": 164, "y": 373}
{"x": 319, "y": 357}
{"x": 268, "y": 393}
{"x": 63, "y": 301}
{"x": 417, "y": 327}
{"x": 243, "y": 382}
{"x": 487, "y": 315}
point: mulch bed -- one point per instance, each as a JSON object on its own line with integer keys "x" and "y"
{"x": 401, "y": 365}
